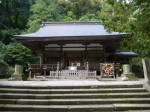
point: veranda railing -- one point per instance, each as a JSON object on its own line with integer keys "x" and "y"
{"x": 69, "y": 74}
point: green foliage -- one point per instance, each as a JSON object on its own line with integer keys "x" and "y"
{"x": 2, "y": 50}
{"x": 13, "y": 17}
{"x": 6, "y": 35}
{"x": 18, "y": 54}
{"x": 90, "y": 17}
{"x": 43, "y": 10}
{"x": 115, "y": 15}
{"x": 4, "y": 69}
{"x": 14, "y": 13}
{"x": 132, "y": 17}
{"x": 63, "y": 10}
{"x": 81, "y": 7}
{"x": 10, "y": 71}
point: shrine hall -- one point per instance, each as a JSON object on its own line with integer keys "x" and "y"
{"x": 75, "y": 49}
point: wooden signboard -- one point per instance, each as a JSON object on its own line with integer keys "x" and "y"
{"x": 107, "y": 69}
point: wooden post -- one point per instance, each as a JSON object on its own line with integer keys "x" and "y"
{"x": 104, "y": 55}
{"x": 41, "y": 59}
{"x": 61, "y": 56}
{"x": 87, "y": 66}
{"x": 86, "y": 52}
{"x": 57, "y": 66}
{"x": 57, "y": 69}
{"x": 29, "y": 74}
{"x": 29, "y": 69}
{"x": 44, "y": 73}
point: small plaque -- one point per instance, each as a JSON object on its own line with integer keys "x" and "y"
{"x": 78, "y": 64}
{"x": 72, "y": 68}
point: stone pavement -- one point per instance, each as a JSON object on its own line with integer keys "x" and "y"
{"x": 67, "y": 82}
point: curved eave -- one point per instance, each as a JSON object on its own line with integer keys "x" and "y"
{"x": 89, "y": 37}
{"x": 126, "y": 54}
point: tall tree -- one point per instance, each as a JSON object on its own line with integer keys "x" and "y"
{"x": 13, "y": 17}
{"x": 78, "y": 8}
{"x": 130, "y": 17}
{"x": 63, "y": 10}
{"x": 43, "y": 10}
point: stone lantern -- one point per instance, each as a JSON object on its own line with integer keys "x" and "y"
{"x": 18, "y": 73}
{"x": 127, "y": 73}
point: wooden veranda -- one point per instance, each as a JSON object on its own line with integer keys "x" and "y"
{"x": 53, "y": 71}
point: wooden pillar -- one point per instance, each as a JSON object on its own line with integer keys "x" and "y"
{"x": 57, "y": 71}
{"x": 104, "y": 53}
{"x": 61, "y": 56}
{"x": 87, "y": 66}
{"x": 85, "y": 57}
{"x": 57, "y": 66}
{"x": 86, "y": 52}
{"x": 42, "y": 55}
{"x": 41, "y": 59}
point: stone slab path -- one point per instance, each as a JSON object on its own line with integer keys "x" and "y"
{"x": 63, "y": 82}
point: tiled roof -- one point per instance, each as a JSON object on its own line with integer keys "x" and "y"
{"x": 70, "y": 29}
{"x": 126, "y": 53}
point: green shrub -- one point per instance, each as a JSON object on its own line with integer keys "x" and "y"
{"x": 3, "y": 69}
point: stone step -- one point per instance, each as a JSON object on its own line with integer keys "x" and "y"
{"x": 53, "y": 108}
{"x": 122, "y": 107}
{"x": 74, "y": 96}
{"x": 138, "y": 111}
{"x": 73, "y": 87}
{"x": 95, "y": 98}
{"x": 92, "y": 111}
{"x": 75, "y": 101}
{"x": 79, "y": 108}
{"x": 62, "y": 91}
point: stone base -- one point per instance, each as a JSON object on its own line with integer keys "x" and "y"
{"x": 15, "y": 77}
{"x": 98, "y": 77}
{"x": 34, "y": 79}
{"x": 128, "y": 77}
{"x": 147, "y": 86}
